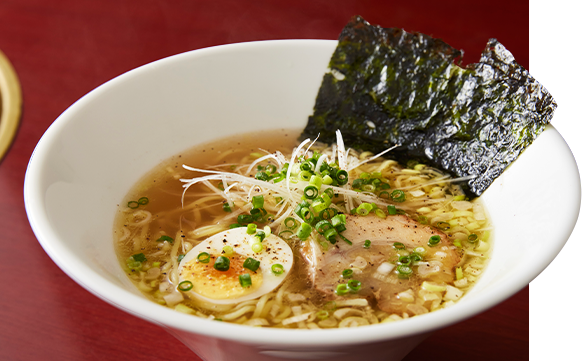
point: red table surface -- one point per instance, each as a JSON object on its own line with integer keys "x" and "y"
{"x": 64, "y": 48}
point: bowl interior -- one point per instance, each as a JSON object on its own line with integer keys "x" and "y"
{"x": 97, "y": 149}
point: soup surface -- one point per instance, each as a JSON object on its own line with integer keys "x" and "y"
{"x": 261, "y": 230}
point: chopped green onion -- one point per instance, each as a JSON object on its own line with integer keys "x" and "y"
{"x": 392, "y": 210}
{"x": 279, "y": 177}
{"x": 133, "y": 264}
{"x": 385, "y": 194}
{"x": 364, "y": 175}
{"x": 252, "y": 264}
{"x": 228, "y": 250}
{"x": 271, "y": 168}
{"x": 322, "y": 314}
{"x": 165, "y": 238}
{"x": 310, "y": 192}
{"x": 235, "y": 225}
{"x": 244, "y": 219}
{"x": 304, "y": 231}
{"x": 143, "y": 201}
{"x": 329, "y": 192}
{"x": 342, "y": 289}
{"x": 347, "y": 273}
{"x": 286, "y": 234}
{"x": 306, "y": 215}
{"x": 133, "y": 204}
{"x": 384, "y": 185}
{"x": 422, "y": 219}
{"x": 203, "y": 257}
{"x": 258, "y": 201}
{"x": 277, "y": 269}
{"x": 342, "y": 176}
{"x": 326, "y": 199}
{"x": 260, "y": 236}
{"x": 251, "y": 228}
{"x": 316, "y": 181}
{"x": 256, "y": 247}
{"x": 444, "y": 226}
{"x": 367, "y": 243}
{"x": 222, "y": 263}
{"x": 338, "y": 219}
{"x": 398, "y": 245}
{"x": 398, "y": 196}
{"x": 180, "y": 258}
{"x": 305, "y": 175}
{"x": 245, "y": 280}
{"x": 327, "y": 214}
{"x": 404, "y": 261}
{"x": 330, "y": 235}
{"x": 354, "y": 285}
{"x": 262, "y": 176}
{"x": 380, "y": 214}
{"x": 472, "y": 238}
{"x": 434, "y": 241}
{"x": 299, "y": 208}
{"x": 257, "y": 213}
{"x": 307, "y": 166}
{"x": 340, "y": 228}
{"x": 420, "y": 250}
{"x": 415, "y": 257}
{"x": 291, "y": 223}
{"x": 185, "y": 286}
{"x": 327, "y": 180}
{"x": 364, "y": 209}
{"x": 404, "y": 271}
{"x": 345, "y": 239}
{"x": 368, "y": 188}
{"x": 156, "y": 264}
{"x": 357, "y": 183}
{"x": 226, "y": 207}
{"x": 323, "y": 226}
{"x": 320, "y": 204}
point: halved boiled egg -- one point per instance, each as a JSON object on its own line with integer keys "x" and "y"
{"x": 210, "y": 274}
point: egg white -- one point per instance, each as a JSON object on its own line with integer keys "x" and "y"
{"x": 275, "y": 250}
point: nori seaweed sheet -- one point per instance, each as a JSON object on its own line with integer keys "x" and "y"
{"x": 389, "y": 87}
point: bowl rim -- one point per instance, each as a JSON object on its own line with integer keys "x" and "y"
{"x": 148, "y": 310}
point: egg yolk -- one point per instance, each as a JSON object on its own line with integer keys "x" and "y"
{"x": 211, "y": 283}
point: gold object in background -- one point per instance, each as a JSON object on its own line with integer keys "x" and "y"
{"x": 10, "y": 104}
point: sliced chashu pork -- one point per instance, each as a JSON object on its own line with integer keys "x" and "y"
{"x": 326, "y": 266}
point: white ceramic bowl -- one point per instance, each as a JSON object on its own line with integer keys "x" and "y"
{"x": 99, "y": 147}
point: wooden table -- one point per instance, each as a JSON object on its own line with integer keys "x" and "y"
{"x": 64, "y": 48}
